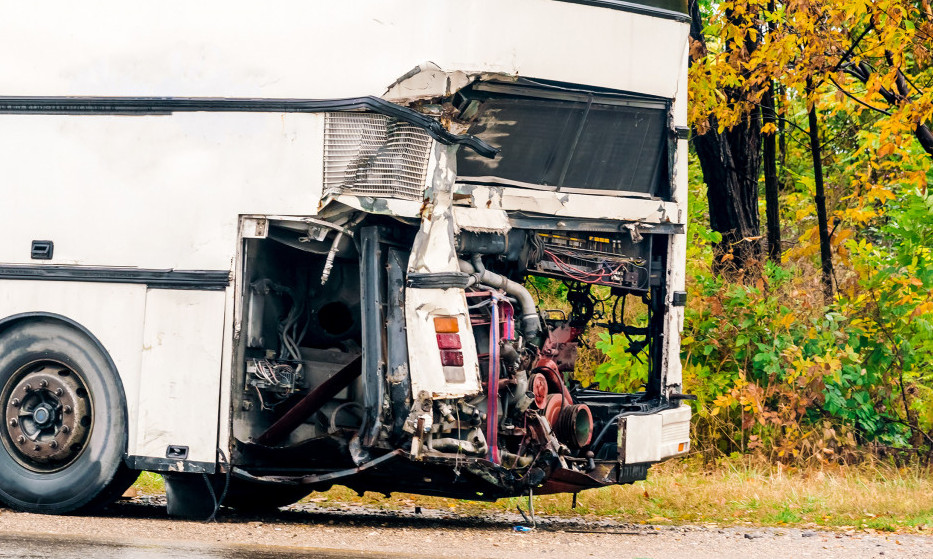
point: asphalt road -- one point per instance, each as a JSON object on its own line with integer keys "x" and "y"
{"x": 43, "y": 546}
{"x": 140, "y": 529}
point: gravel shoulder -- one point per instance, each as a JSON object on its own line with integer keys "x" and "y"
{"x": 356, "y": 531}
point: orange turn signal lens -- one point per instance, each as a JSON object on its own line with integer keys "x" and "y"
{"x": 680, "y": 447}
{"x": 446, "y": 325}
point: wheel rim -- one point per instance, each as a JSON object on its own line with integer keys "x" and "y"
{"x": 48, "y": 416}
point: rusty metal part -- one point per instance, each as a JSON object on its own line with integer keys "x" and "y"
{"x": 539, "y": 389}
{"x": 536, "y": 430}
{"x": 332, "y": 427}
{"x": 564, "y": 480}
{"x": 552, "y": 409}
{"x": 574, "y": 425}
{"x": 555, "y": 380}
{"x": 48, "y": 416}
{"x": 561, "y": 347}
{"x": 312, "y": 402}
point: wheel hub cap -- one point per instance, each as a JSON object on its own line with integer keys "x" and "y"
{"x": 42, "y": 415}
{"x": 47, "y": 415}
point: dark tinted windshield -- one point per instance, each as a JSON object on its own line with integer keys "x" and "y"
{"x": 568, "y": 141}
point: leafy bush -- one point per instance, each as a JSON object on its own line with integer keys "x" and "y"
{"x": 779, "y": 373}
{"x": 620, "y": 371}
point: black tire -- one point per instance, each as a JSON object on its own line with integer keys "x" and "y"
{"x": 49, "y": 364}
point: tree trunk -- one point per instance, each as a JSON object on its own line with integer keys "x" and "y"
{"x": 730, "y": 162}
{"x": 782, "y": 136}
{"x": 772, "y": 208}
{"x": 826, "y": 255}
{"x": 769, "y": 148}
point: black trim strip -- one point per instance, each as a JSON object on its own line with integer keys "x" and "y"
{"x": 544, "y": 223}
{"x": 168, "y": 105}
{"x": 169, "y": 465}
{"x": 635, "y": 8}
{"x": 548, "y": 89}
{"x": 204, "y": 280}
{"x": 439, "y": 280}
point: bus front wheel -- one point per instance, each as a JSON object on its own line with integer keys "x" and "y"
{"x": 64, "y": 427}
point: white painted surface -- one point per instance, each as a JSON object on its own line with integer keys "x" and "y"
{"x": 151, "y": 191}
{"x": 677, "y": 250}
{"x": 675, "y": 431}
{"x": 640, "y": 438}
{"x": 563, "y": 204}
{"x": 179, "y": 382}
{"x": 433, "y": 251}
{"x": 480, "y": 220}
{"x": 427, "y": 375}
{"x": 676, "y": 279}
{"x": 295, "y": 48}
{"x": 112, "y": 313}
{"x": 652, "y": 438}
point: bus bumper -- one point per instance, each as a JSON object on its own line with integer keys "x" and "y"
{"x": 655, "y": 437}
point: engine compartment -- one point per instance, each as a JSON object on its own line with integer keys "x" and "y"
{"x": 322, "y": 386}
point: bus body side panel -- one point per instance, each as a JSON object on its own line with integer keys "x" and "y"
{"x": 676, "y": 266}
{"x": 179, "y": 383}
{"x": 150, "y": 193}
{"x": 156, "y": 191}
{"x": 112, "y": 313}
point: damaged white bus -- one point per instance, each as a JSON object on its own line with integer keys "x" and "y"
{"x": 280, "y": 249}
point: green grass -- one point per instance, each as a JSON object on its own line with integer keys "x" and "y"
{"x": 150, "y": 484}
{"x": 868, "y": 497}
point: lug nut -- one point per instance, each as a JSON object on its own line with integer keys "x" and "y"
{"x": 13, "y": 423}
{"x": 67, "y": 409}
{"x": 59, "y": 391}
{"x": 66, "y": 429}
{"x": 43, "y": 383}
{"x": 53, "y": 444}
{"x": 27, "y": 388}
{"x": 37, "y": 448}
{"x": 15, "y": 402}
{"x": 21, "y": 439}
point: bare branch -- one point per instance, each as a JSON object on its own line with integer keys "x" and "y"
{"x": 857, "y": 100}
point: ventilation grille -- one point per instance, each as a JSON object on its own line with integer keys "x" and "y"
{"x": 374, "y": 155}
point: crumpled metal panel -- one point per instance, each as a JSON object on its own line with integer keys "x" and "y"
{"x": 374, "y": 155}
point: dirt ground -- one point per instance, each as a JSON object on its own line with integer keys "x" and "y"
{"x": 357, "y": 531}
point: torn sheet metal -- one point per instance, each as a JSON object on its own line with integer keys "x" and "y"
{"x": 382, "y": 206}
{"x": 434, "y": 248}
{"x": 434, "y": 251}
{"x": 573, "y": 205}
{"x": 426, "y": 81}
{"x": 479, "y": 220}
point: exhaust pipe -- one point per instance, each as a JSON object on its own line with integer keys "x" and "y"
{"x": 530, "y": 318}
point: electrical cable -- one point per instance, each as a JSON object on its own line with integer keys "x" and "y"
{"x": 210, "y": 487}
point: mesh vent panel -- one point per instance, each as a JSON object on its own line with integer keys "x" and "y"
{"x": 374, "y": 155}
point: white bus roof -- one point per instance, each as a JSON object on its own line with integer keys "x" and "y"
{"x": 317, "y": 50}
